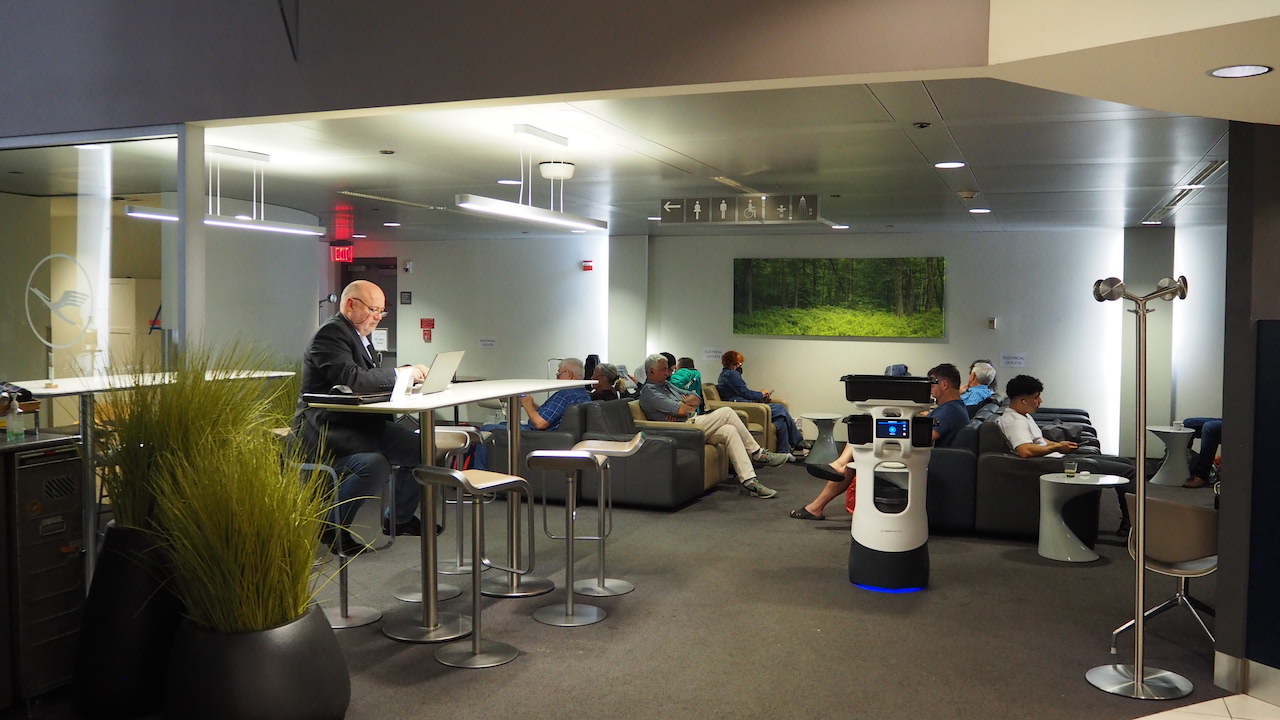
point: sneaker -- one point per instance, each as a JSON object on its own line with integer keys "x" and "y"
{"x": 772, "y": 459}
{"x": 755, "y": 489}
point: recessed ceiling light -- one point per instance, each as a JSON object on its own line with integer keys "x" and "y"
{"x": 510, "y": 182}
{"x": 949, "y": 165}
{"x": 1193, "y": 186}
{"x": 386, "y": 152}
{"x": 839, "y": 227}
{"x": 577, "y": 232}
{"x": 1151, "y": 222}
{"x": 357, "y": 236}
{"x": 979, "y": 211}
{"x": 655, "y": 218}
{"x": 391, "y": 224}
{"x": 1240, "y": 71}
{"x": 243, "y": 217}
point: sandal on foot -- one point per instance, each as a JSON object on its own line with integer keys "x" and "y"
{"x": 803, "y": 514}
{"x": 825, "y": 472}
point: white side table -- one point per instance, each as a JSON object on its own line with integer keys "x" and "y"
{"x": 1057, "y": 542}
{"x": 1174, "y": 470}
{"x": 824, "y": 449}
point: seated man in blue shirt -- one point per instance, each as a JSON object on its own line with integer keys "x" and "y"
{"x": 548, "y": 415}
{"x": 982, "y": 376}
{"x": 948, "y": 417}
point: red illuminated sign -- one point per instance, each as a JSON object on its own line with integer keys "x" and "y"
{"x": 341, "y": 253}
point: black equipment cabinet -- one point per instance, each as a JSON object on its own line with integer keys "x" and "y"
{"x": 42, "y": 586}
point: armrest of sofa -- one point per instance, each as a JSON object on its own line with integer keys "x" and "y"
{"x": 758, "y": 413}
{"x": 684, "y": 435}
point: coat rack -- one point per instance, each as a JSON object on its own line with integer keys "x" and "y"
{"x": 1126, "y": 680}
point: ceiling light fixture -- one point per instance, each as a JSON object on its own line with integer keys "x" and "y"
{"x": 949, "y": 165}
{"x": 1192, "y": 186}
{"x": 510, "y": 182}
{"x": 655, "y": 218}
{"x": 832, "y": 224}
{"x": 1239, "y": 71}
{"x": 556, "y": 170}
{"x": 480, "y": 203}
{"x": 256, "y": 220}
{"x": 979, "y": 211}
{"x": 358, "y": 236}
{"x": 1151, "y": 222}
{"x": 154, "y": 213}
{"x": 390, "y": 224}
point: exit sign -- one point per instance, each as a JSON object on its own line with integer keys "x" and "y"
{"x": 342, "y": 253}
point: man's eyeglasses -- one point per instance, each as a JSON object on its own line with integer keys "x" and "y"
{"x": 380, "y": 312}
{"x": 561, "y": 372}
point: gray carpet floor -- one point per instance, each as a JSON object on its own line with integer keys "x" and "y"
{"x": 740, "y": 611}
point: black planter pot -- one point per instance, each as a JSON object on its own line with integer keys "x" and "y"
{"x": 292, "y": 672}
{"x": 126, "y": 635}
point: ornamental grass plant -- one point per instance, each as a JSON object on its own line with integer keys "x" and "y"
{"x": 240, "y": 529}
{"x": 192, "y": 459}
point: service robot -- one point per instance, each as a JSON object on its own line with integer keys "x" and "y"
{"x": 891, "y": 444}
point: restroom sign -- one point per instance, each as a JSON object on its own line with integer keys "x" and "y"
{"x": 739, "y": 209}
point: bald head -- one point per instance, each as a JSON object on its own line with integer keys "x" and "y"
{"x": 363, "y": 305}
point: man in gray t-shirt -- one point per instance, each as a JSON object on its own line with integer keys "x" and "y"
{"x": 661, "y": 401}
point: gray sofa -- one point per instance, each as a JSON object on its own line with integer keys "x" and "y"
{"x": 674, "y": 466}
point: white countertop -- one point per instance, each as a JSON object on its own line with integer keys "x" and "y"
{"x": 459, "y": 394}
{"x": 107, "y": 383}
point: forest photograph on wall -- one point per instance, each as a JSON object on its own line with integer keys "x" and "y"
{"x": 840, "y": 297}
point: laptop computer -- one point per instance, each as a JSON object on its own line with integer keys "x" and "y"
{"x": 443, "y": 368}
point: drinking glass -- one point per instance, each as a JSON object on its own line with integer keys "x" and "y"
{"x": 1069, "y": 467}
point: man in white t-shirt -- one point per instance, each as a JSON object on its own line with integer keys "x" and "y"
{"x": 1025, "y": 439}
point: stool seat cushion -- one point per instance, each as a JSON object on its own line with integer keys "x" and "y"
{"x": 487, "y": 481}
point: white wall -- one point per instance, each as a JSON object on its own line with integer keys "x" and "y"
{"x": 1201, "y": 255}
{"x": 261, "y": 287}
{"x": 1037, "y": 285}
{"x": 531, "y": 296}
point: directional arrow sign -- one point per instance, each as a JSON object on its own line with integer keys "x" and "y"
{"x": 673, "y": 210}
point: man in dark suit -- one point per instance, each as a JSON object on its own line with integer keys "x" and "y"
{"x": 340, "y": 353}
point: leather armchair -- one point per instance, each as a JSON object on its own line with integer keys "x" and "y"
{"x": 550, "y": 482}
{"x": 1007, "y": 501}
{"x": 756, "y": 416}
{"x": 672, "y": 467}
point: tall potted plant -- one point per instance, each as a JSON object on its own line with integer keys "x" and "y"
{"x": 239, "y": 527}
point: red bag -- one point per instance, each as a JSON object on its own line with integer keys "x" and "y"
{"x": 851, "y": 496}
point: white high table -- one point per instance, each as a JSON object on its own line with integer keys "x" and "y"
{"x": 1174, "y": 469}
{"x": 437, "y": 626}
{"x": 87, "y": 388}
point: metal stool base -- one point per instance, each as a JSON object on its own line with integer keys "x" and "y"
{"x": 557, "y": 615}
{"x": 1157, "y": 684}
{"x": 610, "y": 588}
{"x": 504, "y": 588}
{"x": 357, "y": 616}
{"x": 461, "y": 655}
{"x": 451, "y": 567}
{"x": 413, "y": 593}
{"x": 452, "y": 626}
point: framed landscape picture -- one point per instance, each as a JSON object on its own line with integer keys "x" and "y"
{"x": 840, "y": 297}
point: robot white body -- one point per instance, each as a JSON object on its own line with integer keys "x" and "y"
{"x": 890, "y": 547}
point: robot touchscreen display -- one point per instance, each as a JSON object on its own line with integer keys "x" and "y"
{"x": 895, "y": 429}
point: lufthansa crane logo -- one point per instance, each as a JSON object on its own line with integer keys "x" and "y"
{"x": 72, "y": 308}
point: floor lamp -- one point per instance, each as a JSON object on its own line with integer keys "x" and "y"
{"x": 1126, "y": 680}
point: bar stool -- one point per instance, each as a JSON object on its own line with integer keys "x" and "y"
{"x": 345, "y": 616}
{"x": 603, "y": 586}
{"x": 452, "y": 444}
{"x": 572, "y": 463}
{"x": 453, "y": 456}
{"x": 478, "y": 652}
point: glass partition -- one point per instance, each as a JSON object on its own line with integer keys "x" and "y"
{"x": 81, "y": 288}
